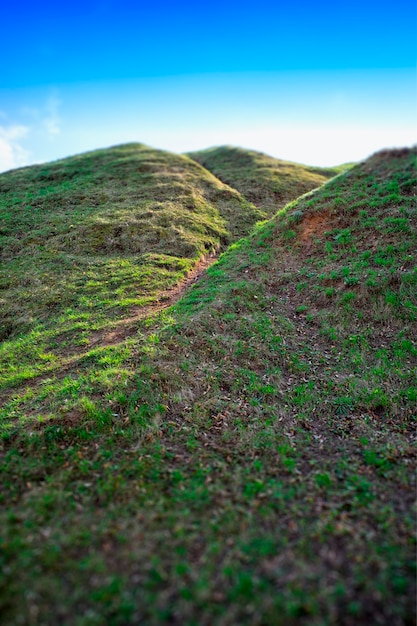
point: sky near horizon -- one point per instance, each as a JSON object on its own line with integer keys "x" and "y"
{"x": 317, "y": 83}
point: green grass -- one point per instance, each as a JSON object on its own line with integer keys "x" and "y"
{"x": 246, "y": 456}
{"x": 267, "y": 182}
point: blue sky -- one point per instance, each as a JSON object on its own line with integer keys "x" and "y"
{"x": 319, "y": 83}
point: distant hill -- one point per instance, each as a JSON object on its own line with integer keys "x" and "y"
{"x": 267, "y": 182}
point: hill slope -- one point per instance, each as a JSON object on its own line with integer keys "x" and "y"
{"x": 247, "y": 458}
{"x": 300, "y": 412}
{"x": 307, "y": 401}
{"x": 267, "y": 182}
{"x": 85, "y": 239}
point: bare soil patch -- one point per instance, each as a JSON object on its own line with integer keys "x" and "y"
{"x": 314, "y": 225}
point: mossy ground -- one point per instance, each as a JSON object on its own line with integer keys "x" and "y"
{"x": 246, "y": 456}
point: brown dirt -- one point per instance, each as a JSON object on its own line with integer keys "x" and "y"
{"x": 314, "y": 225}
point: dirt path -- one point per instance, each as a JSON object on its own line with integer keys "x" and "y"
{"x": 118, "y": 331}
{"x": 124, "y": 328}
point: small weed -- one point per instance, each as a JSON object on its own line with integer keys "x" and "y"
{"x": 323, "y": 480}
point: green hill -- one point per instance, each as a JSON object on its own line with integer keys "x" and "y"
{"x": 267, "y": 182}
{"x": 127, "y": 202}
{"x": 299, "y": 416}
{"x": 246, "y": 456}
{"x": 85, "y": 239}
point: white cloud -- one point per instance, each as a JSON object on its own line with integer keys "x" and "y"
{"x": 12, "y": 153}
{"x": 26, "y": 133}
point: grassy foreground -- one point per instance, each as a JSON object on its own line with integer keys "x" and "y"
{"x": 246, "y": 457}
{"x": 267, "y": 182}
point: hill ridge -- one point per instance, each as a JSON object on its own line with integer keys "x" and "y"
{"x": 268, "y": 182}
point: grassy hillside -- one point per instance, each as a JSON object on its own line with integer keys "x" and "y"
{"x": 246, "y": 457}
{"x": 85, "y": 239}
{"x": 267, "y": 182}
